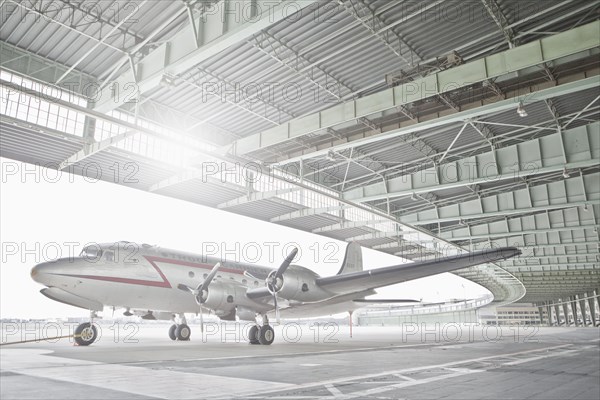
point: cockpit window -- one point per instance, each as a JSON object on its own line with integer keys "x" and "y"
{"x": 91, "y": 252}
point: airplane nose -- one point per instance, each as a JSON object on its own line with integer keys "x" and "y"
{"x": 40, "y": 271}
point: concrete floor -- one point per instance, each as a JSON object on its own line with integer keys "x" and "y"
{"x": 411, "y": 362}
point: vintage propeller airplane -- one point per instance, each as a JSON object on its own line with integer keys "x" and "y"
{"x": 165, "y": 283}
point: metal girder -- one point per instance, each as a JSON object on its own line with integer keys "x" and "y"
{"x": 506, "y": 215}
{"x": 218, "y": 30}
{"x": 534, "y": 53}
{"x": 465, "y": 150}
{"x": 39, "y": 68}
{"x": 357, "y": 156}
{"x": 308, "y": 212}
{"x": 106, "y": 36}
{"x": 521, "y": 232}
{"x": 493, "y": 166}
{"x": 530, "y": 248}
{"x": 500, "y": 19}
{"x": 198, "y": 76}
{"x": 567, "y": 193}
{"x": 379, "y": 34}
{"x": 317, "y": 75}
{"x": 530, "y": 254}
{"x": 109, "y": 74}
{"x": 557, "y": 265}
{"x": 256, "y": 196}
{"x": 86, "y": 111}
{"x": 89, "y": 149}
{"x": 472, "y": 111}
{"x": 378, "y": 235}
{"x": 393, "y": 245}
{"x": 349, "y": 224}
{"x": 190, "y": 174}
{"x": 535, "y": 224}
{"x": 65, "y": 25}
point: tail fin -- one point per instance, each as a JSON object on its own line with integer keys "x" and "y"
{"x": 352, "y": 260}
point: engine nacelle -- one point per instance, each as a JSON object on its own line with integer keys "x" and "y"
{"x": 299, "y": 284}
{"x": 222, "y": 296}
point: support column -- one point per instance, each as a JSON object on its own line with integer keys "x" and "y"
{"x": 89, "y": 128}
{"x": 592, "y": 305}
{"x": 549, "y": 313}
{"x": 557, "y": 313}
{"x": 565, "y": 311}
{"x": 541, "y": 311}
{"x": 583, "y": 310}
{"x": 573, "y": 303}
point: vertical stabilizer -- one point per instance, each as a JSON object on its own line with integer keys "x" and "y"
{"x": 352, "y": 260}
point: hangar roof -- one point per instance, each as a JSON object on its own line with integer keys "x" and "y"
{"x": 418, "y": 129}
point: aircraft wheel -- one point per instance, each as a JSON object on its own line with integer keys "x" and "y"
{"x": 266, "y": 335}
{"x": 172, "y": 332}
{"x": 253, "y": 335}
{"x": 183, "y": 332}
{"x": 85, "y": 334}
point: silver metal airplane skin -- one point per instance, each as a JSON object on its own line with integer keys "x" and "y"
{"x": 161, "y": 283}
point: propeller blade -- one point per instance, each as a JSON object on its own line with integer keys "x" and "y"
{"x": 201, "y": 320}
{"x": 286, "y": 263}
{"x": 209, "y": 278}
{"x": 185, "y": 288}
{"x": 276, "y": 307}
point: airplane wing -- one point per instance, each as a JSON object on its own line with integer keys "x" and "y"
{"x": 371, "y": 279}
{"x": 354, "y": 282}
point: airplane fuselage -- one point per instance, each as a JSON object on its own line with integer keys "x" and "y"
{"x": 147, "y": 278}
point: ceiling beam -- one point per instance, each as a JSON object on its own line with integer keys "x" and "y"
{"x": 494, "y": 166}
{"x": 534, "y": 53}
{"x": 537, "y": 92}
{"x": 89, "y": 149}
{"x": 349, "y": 224}
{"x": 496, "y": 235}
{"x": 257, "y": 196}
{"x": 306, "y": 212}
{"x": 212, "y": 32}
{"x": 378, "y": 235}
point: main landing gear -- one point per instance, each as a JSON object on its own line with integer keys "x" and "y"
{"x": 181, "y": 332}
{"x": 261, "y": 334}
{"x": 86, "y": 333}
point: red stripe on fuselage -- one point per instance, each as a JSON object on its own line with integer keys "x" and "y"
{"x": 165, "y": 283}
{"x": 153, "y": 260}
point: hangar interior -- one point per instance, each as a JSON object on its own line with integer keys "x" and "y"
{"x": 418, "y": 129}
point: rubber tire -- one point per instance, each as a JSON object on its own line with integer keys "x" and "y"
{"x": 82, "y": 341}
{"x": 253, "y": 335}
{"x": 172, "y": 332}
{"x": 266, "y": 335}
{"x": 183, "y": 332}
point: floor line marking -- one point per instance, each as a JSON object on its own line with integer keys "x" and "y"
{"x": 416, "y": 369}
{"x": 334, "y": 391}
{"x": 313, "y": 353}
{"x": 525, "y": 360}
{"x": 406, "y": 378}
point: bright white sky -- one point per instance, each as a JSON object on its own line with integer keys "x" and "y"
{"x": 41, "y": 211}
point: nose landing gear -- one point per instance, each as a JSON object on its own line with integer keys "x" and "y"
{"x": 86, "y": 333}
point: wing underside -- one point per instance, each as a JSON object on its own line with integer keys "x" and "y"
{"x": 386, "y": 276}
